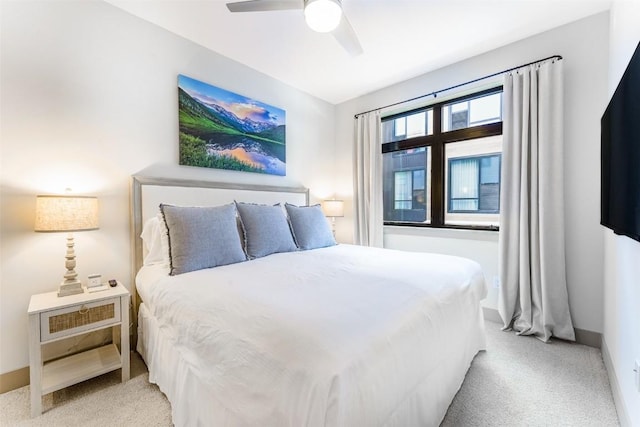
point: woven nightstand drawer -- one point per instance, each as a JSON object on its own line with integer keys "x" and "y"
{"x": 78, "y": 318}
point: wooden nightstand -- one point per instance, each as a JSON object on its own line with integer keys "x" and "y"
{"x": 52, "y": 318}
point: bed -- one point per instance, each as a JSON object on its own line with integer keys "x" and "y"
{"x": 333, "y": 335}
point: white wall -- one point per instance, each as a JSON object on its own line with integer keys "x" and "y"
{"x": 89, "y": 97}
{"x": 622, "y": 255}
{"x": 584, "y": 46}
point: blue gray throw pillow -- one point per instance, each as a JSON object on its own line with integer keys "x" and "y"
{"x": 266, "y": 230}
{"x": 310, "y": 227}
{"x": 202, "y": 237}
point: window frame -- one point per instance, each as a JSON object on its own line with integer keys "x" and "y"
{"x": 437, "y": 141}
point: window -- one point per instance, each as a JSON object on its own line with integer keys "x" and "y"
{"x": 473, "y": 184}
{"x": 406, "y": 187}
{"x": 402, "y": 190}
{"x": 441, "y": 164}
{"x": 408, "y": 126}
{"x": 477, "y": 111}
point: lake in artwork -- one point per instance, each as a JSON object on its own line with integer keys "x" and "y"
{"x": 224, "y": 130}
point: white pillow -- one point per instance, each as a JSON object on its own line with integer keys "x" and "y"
{"x": 155, "y": 241}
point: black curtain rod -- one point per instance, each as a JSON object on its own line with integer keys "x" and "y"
{"x": 435, "y": 94}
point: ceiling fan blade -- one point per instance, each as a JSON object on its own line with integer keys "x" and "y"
{"x": 264, "y": 5}
{"x": 347, "y": 37}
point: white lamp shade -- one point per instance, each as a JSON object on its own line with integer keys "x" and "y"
{"x": 322, "y": 15}
{"x": 66, "y": 213}
{"x": 333, "y": 208}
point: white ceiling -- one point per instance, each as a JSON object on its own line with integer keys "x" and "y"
{"x": 401, "y": 38}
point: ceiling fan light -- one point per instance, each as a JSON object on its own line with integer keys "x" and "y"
{"x": 322, "y": 15}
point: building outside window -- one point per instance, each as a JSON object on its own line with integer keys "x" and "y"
{"x": 474, "y": 184}
{"x": 441, "y": 163}
{"x": 406, "y": 185}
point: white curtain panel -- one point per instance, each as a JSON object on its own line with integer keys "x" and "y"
{"x": 367, "y": 190}
{"x": 533, "y": 296}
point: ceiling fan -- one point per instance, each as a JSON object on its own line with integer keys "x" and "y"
{"x": 322, "y": 16}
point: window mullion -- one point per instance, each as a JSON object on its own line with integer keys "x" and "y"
{"x": 437, "y": 172}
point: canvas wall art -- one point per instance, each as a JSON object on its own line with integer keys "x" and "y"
{"x": 224, "y": 130}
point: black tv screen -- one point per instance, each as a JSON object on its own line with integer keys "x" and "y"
{"x": 620, "y": 139}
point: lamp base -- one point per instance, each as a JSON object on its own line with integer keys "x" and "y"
{"x": 70, "y": 288}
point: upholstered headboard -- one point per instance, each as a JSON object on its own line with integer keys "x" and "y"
{"x": 148, "y": 192}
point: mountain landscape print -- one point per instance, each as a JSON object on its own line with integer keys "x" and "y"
{"x": 223, "y": 130}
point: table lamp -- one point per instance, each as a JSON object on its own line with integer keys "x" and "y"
{"x": 67, "y": 213}
{"x": 333, "y": 209}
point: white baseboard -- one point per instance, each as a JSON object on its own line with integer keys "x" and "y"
{"x": 621, "y": 409}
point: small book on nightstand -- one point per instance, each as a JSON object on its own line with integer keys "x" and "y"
{"x": 95, "y": 284}
{"x": 100, "y": 287}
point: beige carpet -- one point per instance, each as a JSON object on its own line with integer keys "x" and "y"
{"x": 518, "y": 381}
{"x": 521, "y": 381}
{"x": 102, "y": 401}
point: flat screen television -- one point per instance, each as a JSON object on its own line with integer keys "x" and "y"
{"x": 620, "y": 141}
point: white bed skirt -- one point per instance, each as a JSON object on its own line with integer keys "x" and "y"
{"x": 193, "y": 404}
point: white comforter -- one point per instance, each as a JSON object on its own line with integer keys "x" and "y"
{"x": 340, "y": 336}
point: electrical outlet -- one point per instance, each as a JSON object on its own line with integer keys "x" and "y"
{"x": 636, "y": 370}
{"x": 496, "y": 282}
